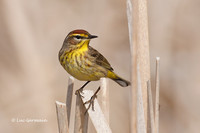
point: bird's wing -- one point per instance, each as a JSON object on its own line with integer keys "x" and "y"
{"x": 99, "y": 58}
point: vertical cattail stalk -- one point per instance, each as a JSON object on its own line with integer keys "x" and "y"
{"x": 139, "y": 44}
{"x": 105, "y": 98}
{"x": 62, "y": 117}
{"x": 81, "y": 118}
{"x": 151, "y": 112}
{"x": 134, "y": 68}
{"x": 141, "y": 125}
{"x": 157, "y": 94}
{"x": 69, "y": 97}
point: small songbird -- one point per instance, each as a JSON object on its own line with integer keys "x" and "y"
{"x": 84, "y": 62}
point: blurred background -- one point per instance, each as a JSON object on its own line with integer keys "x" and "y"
{"x": 31, "y": 78}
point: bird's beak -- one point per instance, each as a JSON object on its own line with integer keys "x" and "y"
{"x": 92, "y": 36}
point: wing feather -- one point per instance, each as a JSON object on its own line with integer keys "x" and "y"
{"x": 99, "y": 58}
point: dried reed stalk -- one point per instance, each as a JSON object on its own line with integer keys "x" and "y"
{"x": 134, "y": 68}
{"x": 62, "y": 117}
{"x": 151, "y": 112}
{"x": 141, "y": 125}
{"x": 139, "y": 44}
{"x": 69, "y": 97}
{"x": 81, "y": 119}
{"x": 157, "y": 94}
{"x": 104, "y": 96}
{"x": 97, "y": 117}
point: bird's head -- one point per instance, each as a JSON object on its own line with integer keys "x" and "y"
{"x": 78, "y": 37}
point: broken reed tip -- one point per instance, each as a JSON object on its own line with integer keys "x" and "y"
{"x": 72, "y": 78}
{"x": 59, "y": 103}
{"x": 157, "y": 58}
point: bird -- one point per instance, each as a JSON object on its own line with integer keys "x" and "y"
{"x": 85, "y": 63}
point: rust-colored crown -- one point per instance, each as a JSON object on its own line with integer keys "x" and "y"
{"x": 79, "y": 31}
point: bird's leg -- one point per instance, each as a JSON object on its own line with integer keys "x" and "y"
{"x": 79, "y": 91}
{"x": 91, "y": 101}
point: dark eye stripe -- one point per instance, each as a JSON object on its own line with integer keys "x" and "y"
{"x": 79, "y": 37}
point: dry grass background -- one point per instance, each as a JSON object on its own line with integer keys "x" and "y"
{"x": 31, "y": 78}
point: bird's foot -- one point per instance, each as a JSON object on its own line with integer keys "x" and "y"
{"x": 79, "y": 92}
{"x": 91, "y": 101}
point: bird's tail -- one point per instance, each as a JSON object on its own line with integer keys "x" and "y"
{"x": 119, "y": 80}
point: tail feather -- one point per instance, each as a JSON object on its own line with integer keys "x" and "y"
{"x": 122, "y": 82}
{"x": 116, "y": 78}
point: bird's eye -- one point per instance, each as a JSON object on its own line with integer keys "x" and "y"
{"x": 78, "y": 37}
